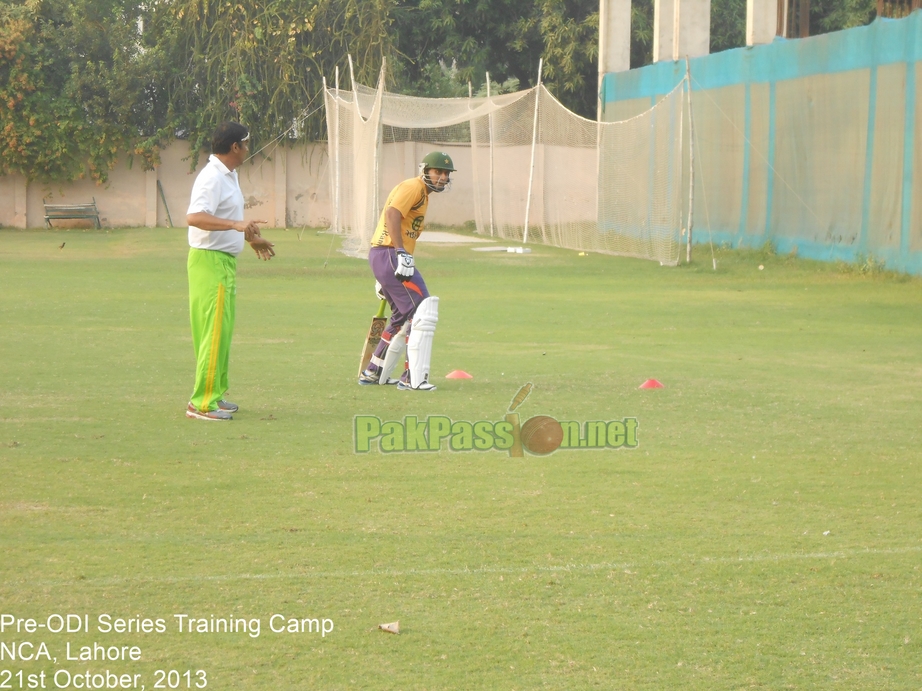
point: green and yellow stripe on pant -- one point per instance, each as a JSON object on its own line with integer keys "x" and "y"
{"x": 212, "y": 301}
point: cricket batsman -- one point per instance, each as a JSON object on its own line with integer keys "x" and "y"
{"x": 407, "y": 339}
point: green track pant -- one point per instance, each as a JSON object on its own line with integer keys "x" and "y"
{"x": 212, "y": 301}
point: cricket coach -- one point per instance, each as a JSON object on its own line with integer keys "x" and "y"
{"x": 217, "y": 233}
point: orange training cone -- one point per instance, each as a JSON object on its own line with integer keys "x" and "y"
{"x": 458, "y": 374}
{"x": 651, "y": 384}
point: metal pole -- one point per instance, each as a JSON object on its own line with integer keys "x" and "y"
{"x": 534, "y": 145}
{"x": 336, "y": 173}
{"x": 490, "y": 124}
{"x": 166, "y": 208}
{"x": 379, "y": 140}
{"x": 691, "y": 163}
{"x": 598, "y": 168}
{"x": 327, "y": 99}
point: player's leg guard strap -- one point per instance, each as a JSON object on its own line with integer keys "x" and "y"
{"x": 377, "y": 361}
{"x": 419, "y": 345}
{"x": 394, "y": 354}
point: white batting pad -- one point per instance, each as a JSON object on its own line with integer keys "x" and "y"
{"x": 419, "y": 345}
{"x": 394, "y": 354}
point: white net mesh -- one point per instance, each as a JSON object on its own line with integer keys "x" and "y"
{"x": 529, "y": 169}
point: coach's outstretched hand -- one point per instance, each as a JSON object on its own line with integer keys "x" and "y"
{"x": 405, "y": 266}
{"x": 251, "y": 230}
{"x": 263, "y": 248}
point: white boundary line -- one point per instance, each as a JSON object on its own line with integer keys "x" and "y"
{"x": 480, "y": 570}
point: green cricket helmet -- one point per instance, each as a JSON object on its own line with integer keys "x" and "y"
{"x": 438, "y": 159}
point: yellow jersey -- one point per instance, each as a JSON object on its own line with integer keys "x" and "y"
{"x": 411, "y": 199}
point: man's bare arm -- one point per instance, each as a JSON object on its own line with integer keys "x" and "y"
{"x": 206, "y": 221}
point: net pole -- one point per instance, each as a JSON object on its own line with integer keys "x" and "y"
{"x": 355, "y": 217}
{"x": 331, "y": 139}
{"x": 691, "y": 164}
{"x": 379, "y": 141}
{"x": 490, "y": 133}
{"x": 330, "y": 98}
{"x": 534, "y": 146}
{"x": 336, "y": 168}
{"x": 475, "y": 177}
{"x": 598, "y": 159}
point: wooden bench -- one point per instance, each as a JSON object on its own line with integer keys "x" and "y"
{"x": 62, "y": 211}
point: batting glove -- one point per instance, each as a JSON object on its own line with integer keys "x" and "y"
{"x": 405, "y": 266}
{"x": 379, "y": 291}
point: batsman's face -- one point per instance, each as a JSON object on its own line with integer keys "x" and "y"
{"x": 439, "y": 178}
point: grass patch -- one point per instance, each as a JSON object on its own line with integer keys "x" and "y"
{"x": 766, "y": 532}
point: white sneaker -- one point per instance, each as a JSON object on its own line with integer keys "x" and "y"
{"x": 425, "y": 386}
{"x": 195, "y": 413}
{"x": 367, "y": 378}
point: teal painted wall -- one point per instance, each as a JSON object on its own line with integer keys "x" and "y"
{"x": 812, "y": 144}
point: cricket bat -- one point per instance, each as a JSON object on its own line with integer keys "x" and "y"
{"x": 378, "y": 322}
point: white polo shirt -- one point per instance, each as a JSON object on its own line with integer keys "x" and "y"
{"x": 216, "y": 191}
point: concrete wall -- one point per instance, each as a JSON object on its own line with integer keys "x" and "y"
{"x": 288, "y": 187}
{"x": 284, "y": 186}
{"x": 761, "y": 21}
{"x": 681, "y": 29}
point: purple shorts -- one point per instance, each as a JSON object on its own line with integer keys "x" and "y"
{"x": 403, "y": 297}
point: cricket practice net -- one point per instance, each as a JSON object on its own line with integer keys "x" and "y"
{"x": 529, "y": 170}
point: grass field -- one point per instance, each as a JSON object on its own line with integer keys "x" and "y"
{"x": 766, "y": 533}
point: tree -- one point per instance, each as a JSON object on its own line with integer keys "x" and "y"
{"x": 728, "y": 24}
{"x": 72, "y": 81}
{"x": 503, "y": 37}
{"x": 466, "y": 38}
{"x": 81, "y": 81}
{"x": 641, "y": 33}
{"x": 835, "y": 15}
{"x": 569, "y": 31}
{"x": 261, "y": 63}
